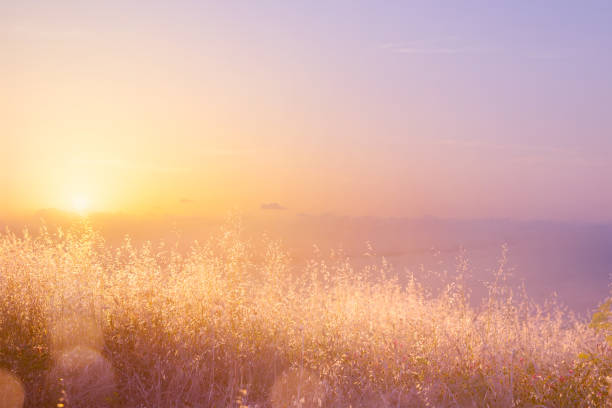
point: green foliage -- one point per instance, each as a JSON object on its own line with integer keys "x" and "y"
{"x": 602, "y": 320}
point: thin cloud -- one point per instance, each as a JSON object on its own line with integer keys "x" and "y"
{"x": 528, "y": 154}
{"x": 187, "y": 201}
{"x": 31, "y": 30}
{"x": 129, "y": 165}
{"x": 122, "y": 164}
{"x": 432, "y": 51}
{"x": 551, "y": 55}
{"x": 229, "y": 152}
{"x": 446, "y": 46}
{"x": 272, "y": 206}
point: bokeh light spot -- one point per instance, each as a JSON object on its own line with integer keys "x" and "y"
{"x": 11, "y": 391}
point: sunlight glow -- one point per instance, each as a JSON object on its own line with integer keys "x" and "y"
{"x": 80, "y": 204}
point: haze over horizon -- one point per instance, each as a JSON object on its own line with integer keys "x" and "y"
{"x": 572, "y": 260}
{"x": 353, "y": 108}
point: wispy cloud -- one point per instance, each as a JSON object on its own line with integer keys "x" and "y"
{"x": 151, "y": 167}
{"x": 187, "y": 201}
{"x": 452, "y": 45}
{"x": 530, "y": 154}
{"x": 272, "y": 206}
{"x": 133, "y": 166}
{"x": 433, "y": 51}
{"x": 228, "y": 152}
{"x": 34, "y": 31}
{"x": 444, "y": 46}
{"x": 551, "y": 55}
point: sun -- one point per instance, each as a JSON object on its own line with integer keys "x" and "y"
{"x": 80, "y": 203}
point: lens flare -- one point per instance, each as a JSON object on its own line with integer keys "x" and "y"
{"x": 84, "y": 375}
{"x": 297, "y": 387}
{"x": 11, "y": 391}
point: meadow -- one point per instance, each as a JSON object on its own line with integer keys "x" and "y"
{"x": 230, "y": 323}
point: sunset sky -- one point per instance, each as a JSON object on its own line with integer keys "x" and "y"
{"x": 469, "y": 109}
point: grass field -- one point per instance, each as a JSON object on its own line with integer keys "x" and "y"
{"x": 226, "y": 325}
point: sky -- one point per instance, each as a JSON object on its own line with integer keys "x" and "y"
{"x": 472, "y": 109}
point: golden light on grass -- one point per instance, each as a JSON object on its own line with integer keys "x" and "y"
{"x": 86, "y": 324}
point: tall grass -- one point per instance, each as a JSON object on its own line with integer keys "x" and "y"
{"x": 223, "y": 324}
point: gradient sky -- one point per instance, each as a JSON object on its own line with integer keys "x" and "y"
{"x": 467, "y": 109}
